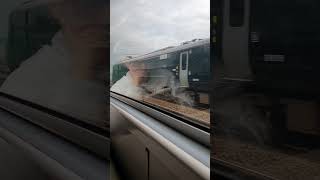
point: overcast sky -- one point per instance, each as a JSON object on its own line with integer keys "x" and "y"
{"x": 142, "y": 26}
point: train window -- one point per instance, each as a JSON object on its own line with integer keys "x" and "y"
{"x": 184, "y": 61}
{"x": 164, "y": 56}
{"x": 237, "y": 10}
{"x": 156, "y": 57}
{"x": 52, "y": 68}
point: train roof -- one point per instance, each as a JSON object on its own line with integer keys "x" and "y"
{"x": 170, "y": 49}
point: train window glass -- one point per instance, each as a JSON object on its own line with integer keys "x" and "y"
{"x": 155, "y": 56}
{"x": 184, "y": 61}
{"x": 237, "y": 10}
{"x": 164, "y": 56}
{"x": 56, "y": 65}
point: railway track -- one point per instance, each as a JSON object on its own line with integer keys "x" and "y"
{"x": 223, "y": 169}
{"x": 242, "y": 159}
{"x": 196, "y": 113}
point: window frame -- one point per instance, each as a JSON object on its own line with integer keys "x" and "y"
{"x": 93, "y": 138}
{"x": 50, "y": 151}
{"x": 191, "y": 129}
{"x": 188, "y": 151}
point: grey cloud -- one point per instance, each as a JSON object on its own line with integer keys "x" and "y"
{"x": 142, "y": 26}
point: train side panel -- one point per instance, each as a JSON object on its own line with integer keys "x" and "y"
{"x": 199, "y": 68}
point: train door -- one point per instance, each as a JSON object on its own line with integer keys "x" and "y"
{"x": 183, "y": 73}
{"x": 235, "y": 35}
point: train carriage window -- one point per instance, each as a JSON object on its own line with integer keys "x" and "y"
{"x": 184, "y": 61}
{"x": 152, "y": 55}
{"x": 237, "y": 10}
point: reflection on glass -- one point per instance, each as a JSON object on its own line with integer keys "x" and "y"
{"x": 160, "y": 55}
{"x": 57, "y": 53}
{"x": 170, "y": 78}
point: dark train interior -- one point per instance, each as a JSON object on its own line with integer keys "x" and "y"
{"x": 38, "y": 142}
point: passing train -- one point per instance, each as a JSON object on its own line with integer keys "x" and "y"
{"x": 189, "y": 64}
{"x": 273, "y": 43}
{"x": 267, "y": 92}
{"x": 271, "y": 49}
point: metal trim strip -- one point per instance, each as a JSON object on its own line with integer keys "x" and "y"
{"x": 201, "y": 169}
